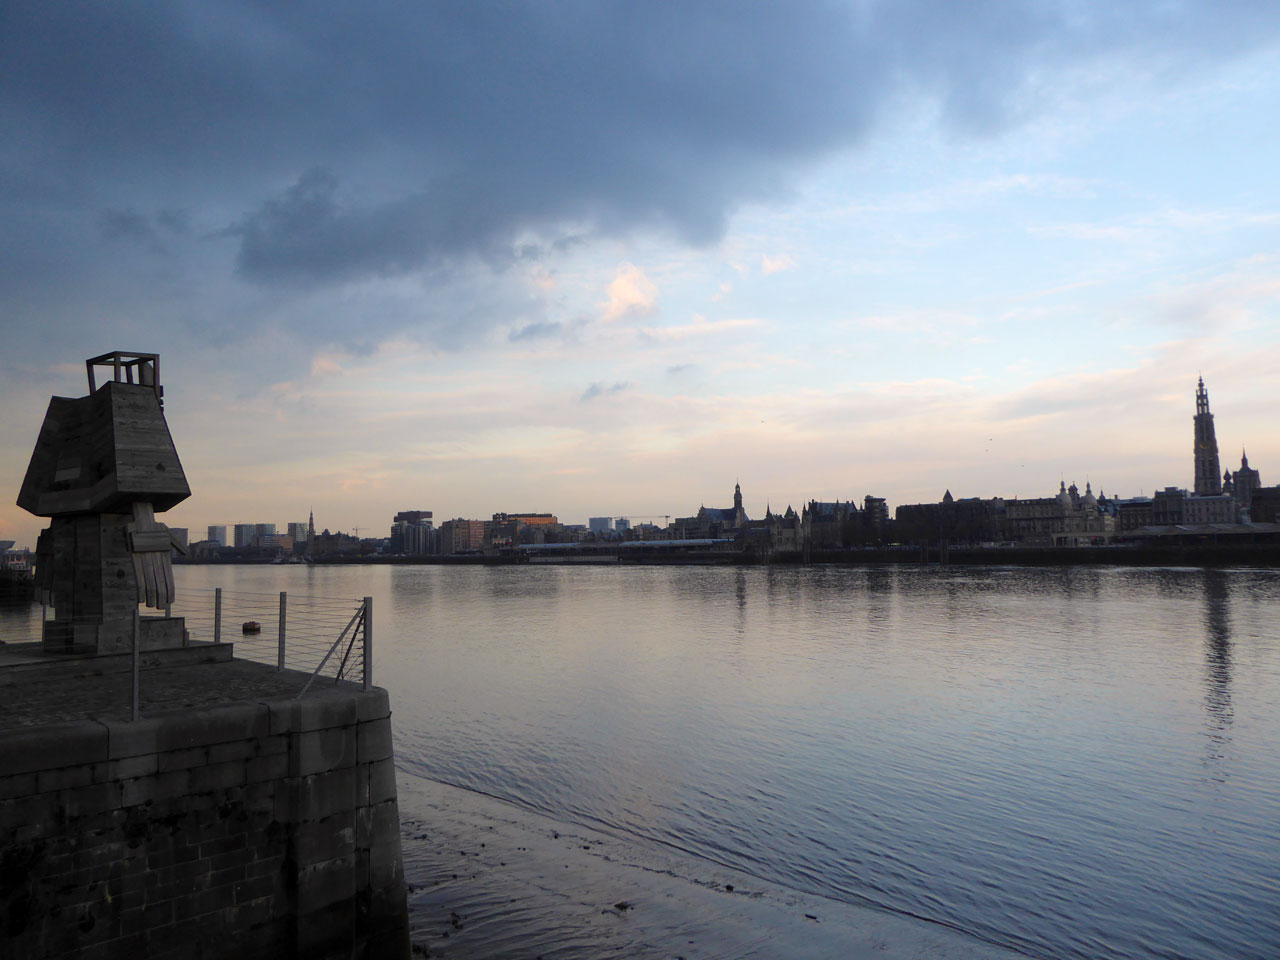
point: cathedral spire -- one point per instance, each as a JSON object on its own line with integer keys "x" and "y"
{"x": 1208, "y": 482}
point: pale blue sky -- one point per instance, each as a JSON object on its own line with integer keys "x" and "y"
{"x": 608, "y": 258}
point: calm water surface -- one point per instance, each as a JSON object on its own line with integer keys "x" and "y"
{"x": 1074, "y": 763}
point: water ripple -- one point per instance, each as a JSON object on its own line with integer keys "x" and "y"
{"x": 1074, "y": 762}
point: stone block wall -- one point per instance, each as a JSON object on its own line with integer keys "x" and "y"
{"x": 252, "y": 829}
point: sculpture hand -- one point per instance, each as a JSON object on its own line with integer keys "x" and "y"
{"x": 150, "y": 544}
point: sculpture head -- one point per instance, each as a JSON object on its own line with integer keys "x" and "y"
{"x": 106, "y": 451}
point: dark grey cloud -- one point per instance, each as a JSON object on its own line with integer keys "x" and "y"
{"x": 298, "y": 146}
{"x": 600, "y": 389}
{"x": 125, "y": 225}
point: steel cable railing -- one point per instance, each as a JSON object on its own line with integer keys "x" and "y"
{"x": 328, "y": 638}
{"x": 324, "y": 636}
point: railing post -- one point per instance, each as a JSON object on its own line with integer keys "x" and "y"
{"x": 217, "y": 615}
{"x": 280, "y": 653}
{"x": 368, "y": 643}
{"x": 135, "y": 712}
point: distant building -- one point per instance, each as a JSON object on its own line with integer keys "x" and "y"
{"x": 328, "y": 544}
{"x": 827, "y": 523}
{"x": 876, "y": 511}
{"x": 621, "y": 524}
{"x": 412, "y": 533}
{"x": 508, "y": 529}
{"x": 1265, "y": 506}
{"x": 413, "y": 516}
{"x": 1242, "y": 483}
{"x": 776, "y": 533}
{"x": 600, "y": 524}
{"x": 1220, "y": 509}
{"x": 462, "y": 536}
{"x": 1166, "y": 506}
{"x": 711, "y": 522}
{"x": 1068, "y": 519}
{"x": 528, "y": 519}
{"x": 247, "y": 534}
{"x": 273, "y": 541}
{"x": 18, "y": 560}
{"x": 205, "y": 550}
{"x": 1132, "y": 514}
{"x": 1208, "y": 478}
{"x": 218, "y": 534}
{"x": 967, "y": 520}
{"x": 298, "y": 531}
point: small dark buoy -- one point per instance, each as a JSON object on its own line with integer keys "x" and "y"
{"x": 729, "y": 887}
{"x": 622, "y": 905}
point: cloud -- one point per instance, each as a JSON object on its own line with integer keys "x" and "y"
{"x": 1241, "y": 298}
{"x": 770, "y": 265}
{"x": 599, "y": 389}
{"x": 700, "y": 327}
{"x": 321, "y": 364}
{"x": 631, "y": 294}
{"x": 125, "y": 225}
{"x": 478, "y": 130}
{"x": 536, "y": 331}
{"x": 935, "y": 324}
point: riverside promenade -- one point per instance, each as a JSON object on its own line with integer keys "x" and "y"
{"x": 233, "y": 819}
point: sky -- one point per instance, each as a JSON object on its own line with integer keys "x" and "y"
{"x": 609, "y": 258}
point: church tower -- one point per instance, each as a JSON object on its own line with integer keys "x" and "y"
{"x": 737, "y": 496}
{"x": 1208, "y": 472}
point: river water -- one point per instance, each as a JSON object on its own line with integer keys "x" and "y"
{"x": 1075, "y": 762}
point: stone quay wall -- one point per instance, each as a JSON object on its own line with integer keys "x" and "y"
{"x": 247, "y": 829}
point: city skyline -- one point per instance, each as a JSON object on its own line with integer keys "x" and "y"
{"x": 1204, "y": 446}
{"x": 494, "y": 262}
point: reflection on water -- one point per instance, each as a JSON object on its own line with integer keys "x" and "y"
{"x": 1217, "y": 649}
{"x": 1073, "y": 762}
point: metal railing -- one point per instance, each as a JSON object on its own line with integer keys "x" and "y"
{"x": 327, "y": 637}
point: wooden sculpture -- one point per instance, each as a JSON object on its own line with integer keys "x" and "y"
{"x": 102, "y": 467}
